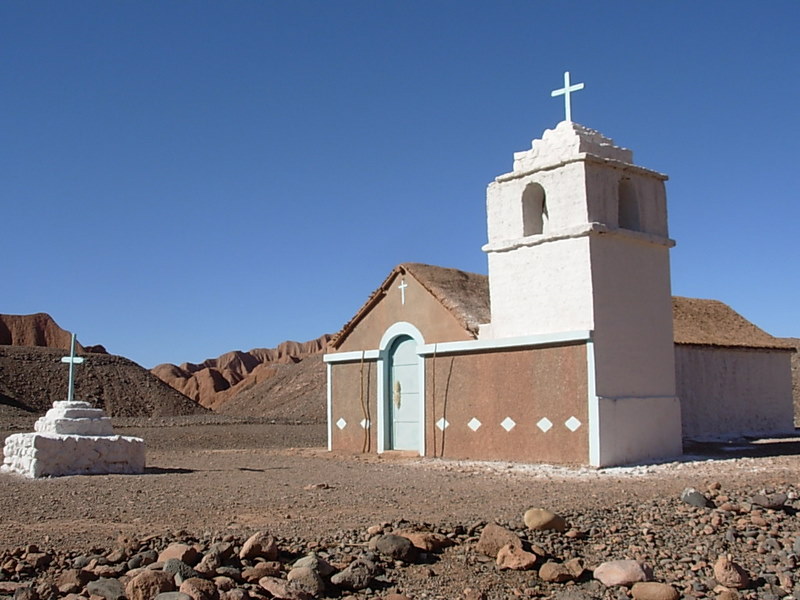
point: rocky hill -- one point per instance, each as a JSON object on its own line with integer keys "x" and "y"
{"x": 32, "y": 375}
{"x": 291, "y": 392}
{"x": 216, "y": 382}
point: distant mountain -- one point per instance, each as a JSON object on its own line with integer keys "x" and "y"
{"x": 217, "y": 381}
{"x": 38, "y": 330}
{"x": 32, "y": 375}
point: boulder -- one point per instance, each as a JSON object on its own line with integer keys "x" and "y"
{"x": 653, "y": 590}
{"x": 620, "y": 572}
{"x": 730, "y": 574}
{"x": 260, "y": 545}
{"x": 541, "y": 519}
{"x": 148, "y": 584}
{"x": 514, "y": 558}
{"x": 493, "y": 537}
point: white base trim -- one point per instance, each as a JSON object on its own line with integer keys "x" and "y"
{"x": 594, "y": 407}
{"x": 329, "y": 369}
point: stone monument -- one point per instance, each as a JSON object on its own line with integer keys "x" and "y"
{"x": 73, "y": 438}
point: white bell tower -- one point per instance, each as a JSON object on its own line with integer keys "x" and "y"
{"x": 578, "y": 241}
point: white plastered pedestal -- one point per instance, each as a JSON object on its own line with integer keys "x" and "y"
{"x": 72, "y": 439}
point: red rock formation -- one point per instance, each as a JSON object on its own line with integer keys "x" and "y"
{"x": 34, "y": 330}
{"x": 216, "y": 380}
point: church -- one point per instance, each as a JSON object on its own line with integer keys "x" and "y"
{"x": 572, "y": 350}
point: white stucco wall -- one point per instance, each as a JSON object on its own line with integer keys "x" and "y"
{"x": 636, "y": 430}
{"x": 728, "y": 392}
{"x": 632, "y": 318}
{"x": 541, "y": 289}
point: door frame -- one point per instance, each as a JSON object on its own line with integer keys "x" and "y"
{"x": 401, "y": 328}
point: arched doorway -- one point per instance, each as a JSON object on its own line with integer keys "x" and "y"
{"x": 403, "y": 395}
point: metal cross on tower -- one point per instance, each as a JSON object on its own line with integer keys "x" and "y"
{"x": 566, "y": 91}
{"x": 72, "y": 360}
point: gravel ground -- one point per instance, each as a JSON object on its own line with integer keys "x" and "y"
{"x": 208, "y": 477}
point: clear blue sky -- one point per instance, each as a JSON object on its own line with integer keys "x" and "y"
{"x": 181, "y": 179}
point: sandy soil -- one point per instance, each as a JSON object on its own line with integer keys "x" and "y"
{"x": 243, "y": 477}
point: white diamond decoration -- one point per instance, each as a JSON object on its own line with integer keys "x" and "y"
{"x": 572, "y": 424}
{"x": 442, "y": 424}
{"x": 341, "y": 423}
{"x": 544, "y": 424}
{"x": 364, "y": 423}
{"x": 474, "y": 424}
{"x": 508, "y": 424}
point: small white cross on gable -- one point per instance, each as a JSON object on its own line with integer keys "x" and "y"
{"x": 566, "y": 91}
{"x": 402, "y": 287}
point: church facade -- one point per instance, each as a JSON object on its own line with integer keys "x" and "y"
{"x": 567, "y": 352}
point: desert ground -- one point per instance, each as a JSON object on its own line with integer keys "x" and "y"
{"x": 211, "y": 478}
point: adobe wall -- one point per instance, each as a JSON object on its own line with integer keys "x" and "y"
{"x": 525, "y": 385}
{"x": 726, "y": 392}
{"x": 420, "y": 309}
{"x": 348, "y": 435}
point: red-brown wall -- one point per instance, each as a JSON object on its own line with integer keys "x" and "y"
{"x": 526, "y": 385}
{"x": 354, "y": 402}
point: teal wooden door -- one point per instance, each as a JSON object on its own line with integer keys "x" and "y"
{"x": 404, "y": 397}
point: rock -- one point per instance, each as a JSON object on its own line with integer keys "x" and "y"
{"x": 473, "y": 594}
{"x": 694, "y": 498}
{"x": 307, "y": 579}
{"x": 427, "y": 541}
{"x": 282, "y": 589}
{"x": 10, "y": 587}
{"x": 540, "y": 519}
{"x": 315, "y": 562}
{"x": 173, "y": 596}
{"x": 235, "y": 594}
{"x": 493, "y": 537}
{"x": 652, "y": 590}
{"x": 396, "y": 547}
{"x": 200, "y": 589}
{"x": 110, "y": 589}
{"x": 554, "y": 572}
{"x": 179, "y": 569}
{"x": 620, "y": 572}
{"x": 223, "y": 583}
{"x": 514, "y": 558}
{"x": 148, "y": 584}
{"x": 260, "y": 545}
{"x": 730, "y": 574}
{"x": 25, "y": 592}
{"x": 269, "y": 568}
{"x": 142, "y": 559}
{"x": 229, "y": 572}
{"x": 358, "y": 575}
{"x": 109, "y": 571}
{"x": 182, "y": 552}
{"x": 575, "y": 566}
{"x": 71, "y": 581}
{"x": 773, "y": 501}
{"x": 727, "y": 595}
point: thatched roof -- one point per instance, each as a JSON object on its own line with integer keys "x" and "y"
{"x": 466, "y": 296}
{"x": 713, "y": 323}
